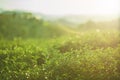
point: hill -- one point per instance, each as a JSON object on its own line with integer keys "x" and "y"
{"x": 35, "y": 25}
{"x": 26, "y": 25}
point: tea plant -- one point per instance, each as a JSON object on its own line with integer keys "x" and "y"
{"x": 92, "y": 56}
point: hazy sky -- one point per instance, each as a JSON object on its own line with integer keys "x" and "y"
{"x": 61, "y": 7}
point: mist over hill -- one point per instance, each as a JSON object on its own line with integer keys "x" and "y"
{"x": 75, "y": 20}
{"x": 37, "y": 25}
{"x": 26, "y": 25}
{"x": 78, "y": 18}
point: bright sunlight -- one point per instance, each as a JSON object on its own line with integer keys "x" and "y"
{"x": 62, "y": 7}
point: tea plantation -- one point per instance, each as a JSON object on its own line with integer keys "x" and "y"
{"x": 87, "y": 56}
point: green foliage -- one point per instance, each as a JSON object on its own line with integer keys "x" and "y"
{"x": 26, "y": 25}
{"x": 90, "y": 56}
{"x": 35, "y": 49}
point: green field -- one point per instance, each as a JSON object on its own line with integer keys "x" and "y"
{"x": 32, "y": 49}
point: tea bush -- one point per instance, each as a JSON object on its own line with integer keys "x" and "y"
{"x": 92, "y": 56}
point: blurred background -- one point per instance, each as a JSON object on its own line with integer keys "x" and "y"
{"x": 52, "y": 18}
